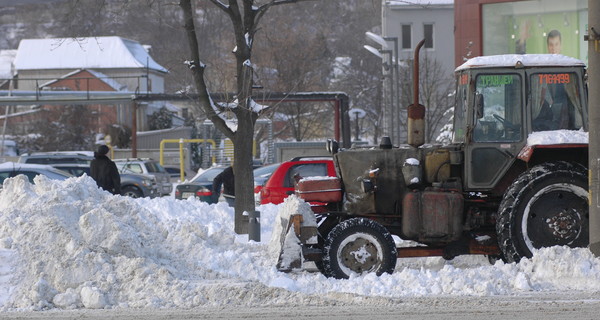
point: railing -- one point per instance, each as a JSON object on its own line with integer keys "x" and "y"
{"x": 41, "y": 89}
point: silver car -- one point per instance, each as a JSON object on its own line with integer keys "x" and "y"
{"x": 132, "y": 184}
{"x": 147, "y": 166}
{"x": 13, "y": 169}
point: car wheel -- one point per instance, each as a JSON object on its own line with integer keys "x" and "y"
{"x": 132, "y": 192}
{"x": 546, "y": 206}
{"x": 358, "y": 246}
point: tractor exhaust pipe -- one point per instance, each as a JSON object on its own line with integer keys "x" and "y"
{"x": 416, "y": 111}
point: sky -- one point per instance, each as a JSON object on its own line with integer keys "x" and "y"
{"x": 68, "y": 245}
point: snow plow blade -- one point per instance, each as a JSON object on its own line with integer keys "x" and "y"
{"x": 298, "y": 232}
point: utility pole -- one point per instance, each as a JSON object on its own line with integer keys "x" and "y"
{"x": 593, "y": 38}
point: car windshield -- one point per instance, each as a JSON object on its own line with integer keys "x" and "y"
{"x": 76, "y": 171}
{"x": 208, "y": 175}
{"x": 265, "y": 171}
{"x": 262, "y": 174}
{"x": 155, "y": 167}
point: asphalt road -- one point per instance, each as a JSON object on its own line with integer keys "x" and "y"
{"x": 546, "y": 306}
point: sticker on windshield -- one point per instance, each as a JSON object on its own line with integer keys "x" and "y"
{"x": 552, "y": 78}
{"x": 494, "y": 80}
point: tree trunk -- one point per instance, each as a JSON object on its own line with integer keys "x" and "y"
{"x": 244, "y": 178}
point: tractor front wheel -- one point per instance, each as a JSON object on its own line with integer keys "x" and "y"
{"x": 358, "y": 246}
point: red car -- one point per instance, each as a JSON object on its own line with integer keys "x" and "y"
{"x": 281, "y": 183}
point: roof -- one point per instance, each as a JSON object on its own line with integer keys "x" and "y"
{"x": 83, "y": 53}
{"x": 528, "y": 60}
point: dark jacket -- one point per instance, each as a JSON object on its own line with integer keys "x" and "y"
{"x": 105, "y": 172}
{"x": 226, "y": 179}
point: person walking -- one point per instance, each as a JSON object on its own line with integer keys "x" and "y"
{"x": 227, "y": 180}
{"x": 105, "y": 172}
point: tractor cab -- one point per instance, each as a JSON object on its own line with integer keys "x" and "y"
{"x": 502, "y": 100}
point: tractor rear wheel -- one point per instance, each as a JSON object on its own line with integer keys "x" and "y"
{"x": 546, "y": 206}
{"x": 358, "y": 246}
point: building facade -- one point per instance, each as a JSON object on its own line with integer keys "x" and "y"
{"x": 404, "y": 25}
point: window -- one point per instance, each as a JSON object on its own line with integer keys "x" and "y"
{"x": 136, "y": 168}
{"x": 498, "y": 108}
{"x": 428, "y": 35}
{"x": 406, "y": 36}
{"x": 555, "y": 102}
{"x": 305, "y": 170}
{"x": 459, "y": 125}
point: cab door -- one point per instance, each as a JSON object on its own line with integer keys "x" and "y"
{"x": 496, "y": 134}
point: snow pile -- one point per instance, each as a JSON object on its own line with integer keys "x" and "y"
{"x": 66, "y": 244}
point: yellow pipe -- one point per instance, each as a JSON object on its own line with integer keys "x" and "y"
{"x": 181, "y": 142}
{"x": 181, "y": 162}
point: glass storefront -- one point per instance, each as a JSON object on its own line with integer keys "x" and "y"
{"x": 536, "y": 26}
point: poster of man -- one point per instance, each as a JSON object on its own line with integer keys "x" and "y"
{"x": 556, "y": 27}
{"x": 554, "y": 42}
{"x": 531, "y": 36}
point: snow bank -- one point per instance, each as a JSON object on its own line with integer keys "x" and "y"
{"x": 66, "y": 244}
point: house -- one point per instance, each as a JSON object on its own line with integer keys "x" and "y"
{"x": 107, "y": 64}
{"x": 404, "y": 24}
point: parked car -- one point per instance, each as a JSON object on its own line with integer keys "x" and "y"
{"x": 281, "y": 183}
{"x": 261, "y": 175}
{"x": 132, "y": 184}
{"x": 13, "y": 169}
{"x": 200, "y": 187}
{"x": 82, "y": 157}
{"x": 147, "y": 166}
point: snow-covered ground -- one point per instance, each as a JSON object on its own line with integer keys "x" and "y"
{"x": 68, "y": 245}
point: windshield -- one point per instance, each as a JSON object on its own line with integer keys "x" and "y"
{"x": 497, "y": 108}
{"x": 208, "y": 175}
{"x": 555, "y": 102}
{"x": 265, "y": 171}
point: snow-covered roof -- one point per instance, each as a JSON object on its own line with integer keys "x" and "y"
{"x": 510, "y": 60}
{"x": 83, "y": 53}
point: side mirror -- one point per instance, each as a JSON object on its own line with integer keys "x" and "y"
{"x": 332, "y": 146}
{"x": 478, "y": 105}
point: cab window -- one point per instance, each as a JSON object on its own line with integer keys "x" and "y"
{"x": 498, "y": 108}
{"x": 555, "y": 102}
{"x": 460, "y": 110}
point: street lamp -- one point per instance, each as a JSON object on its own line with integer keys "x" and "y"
{"x": 356, "y": 114}
{"x": 391, "y": 120}
{"x": 395, "y": 82}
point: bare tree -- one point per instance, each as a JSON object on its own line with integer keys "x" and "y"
{"x": 245, "y": 16}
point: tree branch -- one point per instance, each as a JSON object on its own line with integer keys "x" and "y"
{"x": 220, "y": 5}
{"x": 262, "y": 9}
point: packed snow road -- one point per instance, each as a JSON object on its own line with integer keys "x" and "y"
{"x": 71, "y": 251}
{"x": 547, "y": 306}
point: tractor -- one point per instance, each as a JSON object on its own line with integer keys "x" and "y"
{"x": 514, "y": 178}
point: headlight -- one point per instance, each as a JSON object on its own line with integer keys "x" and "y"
{"x": 147, "y": 182}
